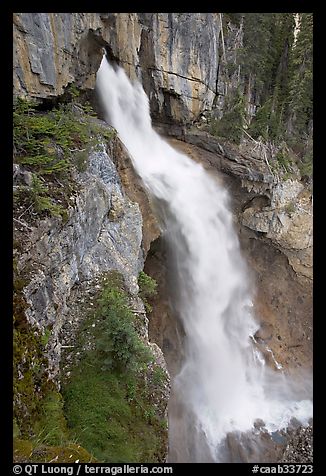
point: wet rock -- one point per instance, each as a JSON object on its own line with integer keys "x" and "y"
{"x": 300, "y": 447}
{"x": 265, "y": 331}
{"x": 282, "y": 294}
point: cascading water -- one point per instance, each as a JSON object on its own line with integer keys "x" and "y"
{"x": 224, "y": 385}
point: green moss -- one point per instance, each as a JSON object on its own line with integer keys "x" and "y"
{"x": 40, "y": 429}
{"x": 114, "y": 280}
{"x": 25, "y": 451}
{"x": 105, "y": 406}
{"x": 45, "y": 337}
{"x": 15, "y": 429}
{"x": 290, "y": 208}
{"x": 116, "y": 425}
{"x": 81, "y": 160}
{"x": 28, "y": 361}
{"x": 29, "y": 377}
{"x": 37, "y": 404}
{"x": 50, "y": 426}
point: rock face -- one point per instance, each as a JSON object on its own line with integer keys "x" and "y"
{"x": 278, "y": 258}
{"x": 279, "y": 211}
{"x": 103, "y": 232}
{"x": 179, "y": 61}
{"x": 300, "y": 447}
{"x": 110, "y": 224}
{"x": 174, "y": 54}
{"x": 52, "y": 50}
{"x": 287, "y": 222}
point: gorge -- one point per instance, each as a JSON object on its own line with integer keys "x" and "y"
{"x": 226, "y": 234}
{"x": 224, "y": 385}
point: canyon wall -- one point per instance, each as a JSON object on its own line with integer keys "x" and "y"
{"x": 174, "y": 54}
{"x": 182, "y": 63}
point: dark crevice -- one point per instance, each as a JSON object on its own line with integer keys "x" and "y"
{"x": 165, "y": 327}
{"x": 49, "y": 103}
{"x": 196, "y": 80}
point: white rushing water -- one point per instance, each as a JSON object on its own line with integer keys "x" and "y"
{"x": 224, "y": 384}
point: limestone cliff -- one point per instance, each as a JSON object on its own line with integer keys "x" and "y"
{"x": 63, "y": 261}
{"x": 107, "y": 223}
{"x": 278, "y": 209}
{"x": 103, "y": 232}
{"x": 174, "y": 54}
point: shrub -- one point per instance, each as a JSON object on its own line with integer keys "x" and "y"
{"x": 42, "y": 202}
{"x": 231, "y": 124}
{"x": 108, "y": 400}
{"x": 49, "y": 144}
{"x": 46, "y": 141}
{"x": 159, "y": 376}
{"x": 147, "y": 288}
{"x": 119, "y": 344}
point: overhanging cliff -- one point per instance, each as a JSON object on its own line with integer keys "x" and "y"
{"x": 174, "y": 54}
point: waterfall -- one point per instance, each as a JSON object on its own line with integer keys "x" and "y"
{"x": 224, "y": 385}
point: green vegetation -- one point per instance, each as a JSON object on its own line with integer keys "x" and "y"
{"x": 284, "y": 160}
{"x": 38, "y": 194}
{"x": 258, "y": 56}
{"x": 111, "y": 415}
{"x": 277, "y": 69}
{"x": 41, "y": 198}
{"x": 283, "y": 80}
{"x": 48, "y": 144}
{"x": 105, "y": 411}
{"x": 159, "y": 376}
{"x": 306, "y": 165}
{"x": 29, "y": 375}
{"x": 290, "y": 208}
{"x": 25, "y": 451}
{"x": 46, "y": 141}
{"x": 118, "y": 345}
{"x": 301, "y": 87}
{"x": 147, "y": 288}
{"x": 108, "y": 404}
{"x": 29, "y": 362}
{"x": 39, "y": 426}
{"x": 50, "y": 427}
{"x": 231, "y": 124}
